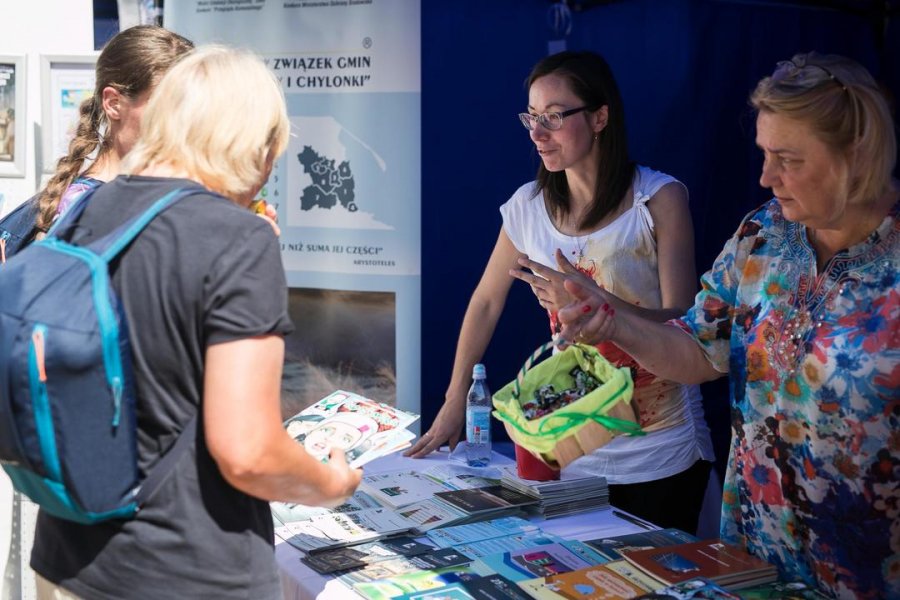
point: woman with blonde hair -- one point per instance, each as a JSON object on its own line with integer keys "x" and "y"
{"x": 802, "y": 310}
{"x": 204, "y": 291}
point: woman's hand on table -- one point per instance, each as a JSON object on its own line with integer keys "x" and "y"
{"x": 447, "y": 428}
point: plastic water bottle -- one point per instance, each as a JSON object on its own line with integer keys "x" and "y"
{"x": 478, "y": 420}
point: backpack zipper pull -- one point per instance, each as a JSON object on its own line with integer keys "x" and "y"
{"x": 117, "y": 400}
{"x": 37, "y": 338}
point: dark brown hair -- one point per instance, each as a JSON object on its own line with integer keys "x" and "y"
{"x": 592, "y": 81}
{"x": 132, "y": 62}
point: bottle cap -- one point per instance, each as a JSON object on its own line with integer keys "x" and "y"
{"x": 478, "y": 372}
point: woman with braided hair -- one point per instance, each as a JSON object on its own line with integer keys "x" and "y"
{"x": 128, "y": 68}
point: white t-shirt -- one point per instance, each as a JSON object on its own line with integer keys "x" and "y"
{"x": 621, "y": 256}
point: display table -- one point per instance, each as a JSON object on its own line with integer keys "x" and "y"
{"x": 299, "y": 582}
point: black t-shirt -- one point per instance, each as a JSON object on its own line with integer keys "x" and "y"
{"x": 203, "y": 272}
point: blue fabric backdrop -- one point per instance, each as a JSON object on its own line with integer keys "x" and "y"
{"x": 685, "y": 69}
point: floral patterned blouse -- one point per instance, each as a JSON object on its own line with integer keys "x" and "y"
{"x": 813, "y": 482}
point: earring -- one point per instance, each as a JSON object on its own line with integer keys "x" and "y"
{"x": 596, "y": 137}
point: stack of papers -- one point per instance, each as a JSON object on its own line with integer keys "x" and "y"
{"x": 560, "y": 497}
{"x": 363, "y": 428}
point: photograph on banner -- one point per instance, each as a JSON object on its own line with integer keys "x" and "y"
{"x": 12, "y": 116}
{"x": 342, "y": 340}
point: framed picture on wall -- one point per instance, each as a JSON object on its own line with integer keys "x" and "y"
{"x": 12, "y": 116}
{"x": 66, "y": 82}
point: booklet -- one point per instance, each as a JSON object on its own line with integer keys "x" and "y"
{"x": 391, "y": 587}
{"x": 363, "y": 428}
{"x": 288, "y": 512}
{"x": 612, "y": 547}
{"x": 528, "y": 563}
{"x": 343, "y": 529}
{"x": 593, "y": 583}
{"x": 716, "y": 560}
{"x": 475, "y": 532}
{"x": 403, "y": 487}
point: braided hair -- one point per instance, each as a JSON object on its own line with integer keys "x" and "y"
{"x": 132, "y": 62}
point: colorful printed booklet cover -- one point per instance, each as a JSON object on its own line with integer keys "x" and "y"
{"x": 472, "y": 587}
{"x": 403, "y": 487}
{"x": 723, "y": 563}
{"x": 612, "y": 547}
{"x": 363, "y": 428}
{"x": 690, "y": 589}
{"x": 334, "y": 530}
{"x": 528, "y": 563}
{"x": 591, "y": 583}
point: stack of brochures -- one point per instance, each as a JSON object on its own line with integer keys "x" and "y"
{"x": 444, "y": 495}
{"x": 363, "y": 428}
{"x": 560, "y": 497}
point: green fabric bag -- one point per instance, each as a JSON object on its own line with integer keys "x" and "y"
{"x": 541, "y": 435}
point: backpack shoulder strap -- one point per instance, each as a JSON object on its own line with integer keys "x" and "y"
{"x": 109, "y": 246}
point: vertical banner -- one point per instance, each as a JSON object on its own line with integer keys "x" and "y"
{"x": 348, "y": 188}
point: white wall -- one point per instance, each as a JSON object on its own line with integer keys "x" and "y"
{"x": 32, "y": 28}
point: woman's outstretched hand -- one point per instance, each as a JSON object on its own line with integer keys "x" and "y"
{"x": 589, "y": 318}
{"x": 548, "y": 284}
{"x": 447, "y": 428}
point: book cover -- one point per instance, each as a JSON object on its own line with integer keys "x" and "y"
{"x": 398, "y": 489}
{"x": 528, "y": 563}
{"x": 472, "y": 587}
{"x": 516, "y": 541}
{"x": 632, "y": 574}
{"x": 492, "y": 587}
{"x": 475, "y": 532}
{"x": 690, "y": 589}
{"x": 591, "y": 583}
{"x": 712, "y": 559}
{"x": 328, "y": 531}
{"x": 611, "y": 547}
{"x": 363, "y": 428}
{"x": 485, "y": 499}
{"x": 417, "y": 581}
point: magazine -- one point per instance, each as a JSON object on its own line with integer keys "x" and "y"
{"x": 363, "y": 428}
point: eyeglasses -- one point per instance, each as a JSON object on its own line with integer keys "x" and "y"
{"x": 803, "y": 75}
{"x": 548, "y": 120}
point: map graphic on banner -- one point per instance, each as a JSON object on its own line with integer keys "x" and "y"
{"x": 320, "y": 174}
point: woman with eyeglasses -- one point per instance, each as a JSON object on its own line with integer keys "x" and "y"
{"x": 802, "y": 311}
{"x": 626, "y": 227}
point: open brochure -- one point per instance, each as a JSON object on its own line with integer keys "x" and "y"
{"x": 363, "y": 428}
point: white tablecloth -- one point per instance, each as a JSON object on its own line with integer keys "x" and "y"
{"x": 299, "y": 582}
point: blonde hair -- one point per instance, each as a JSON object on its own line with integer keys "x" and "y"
{"x": 846, "y": 109}
{"x": 219, "y": 115}
{"x": 131, "y": 63}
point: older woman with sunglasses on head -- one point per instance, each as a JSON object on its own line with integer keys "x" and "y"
{"x": 628, "y": 228}
{"x": 802, "y": 310}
